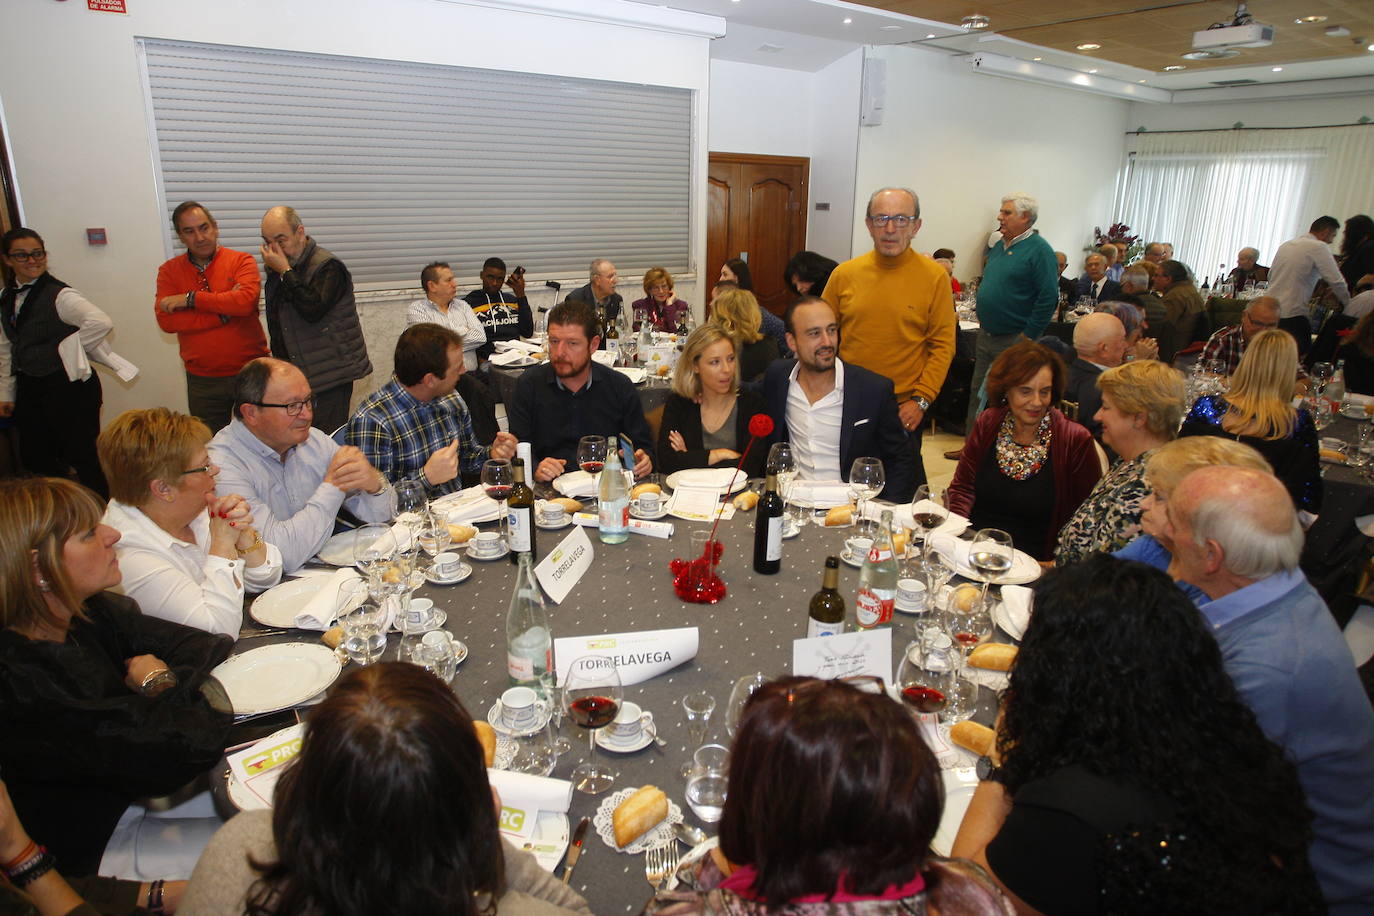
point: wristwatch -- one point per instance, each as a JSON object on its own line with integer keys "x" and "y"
{"x": 922, "y": 403}
{"x": 988, "y": 771}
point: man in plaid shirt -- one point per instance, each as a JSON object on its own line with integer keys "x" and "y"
{"x": 415, "y": 427}
{"x": 1228, "y": 344}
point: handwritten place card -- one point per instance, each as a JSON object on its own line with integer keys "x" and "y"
{"x": 699, "y": 504}
{"x": 864, "y": 652}
{"x": 565, "y": 565}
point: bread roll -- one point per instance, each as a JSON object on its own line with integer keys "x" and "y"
{"x": 746, "y": 500}
{"x": 332, "y": 637}
{"x": 643, "y": 488}
{"x": 487, "y": 736}
{"x": 996, "y": 656}
{"x": 899, "y": 541}
{"x": 965, "y": 596}
{"x": 461, "y": 534}
{"x": 638, "y": 814}
{"x": 839, "y": 516}
{"x": 971, "y": 735}
{"x": 568, "y": 503}
{"x": 1330, "y": 454}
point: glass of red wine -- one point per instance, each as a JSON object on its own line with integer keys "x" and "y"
{"x": 928, "y": 673}
{"x": 498, "y": 479}
{"x": 927, "y": 514}
{"x": 591, "y": 690}
{"x": 591, "y": 457}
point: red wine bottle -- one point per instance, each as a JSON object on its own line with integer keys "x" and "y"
{"x": 768, "y": 529}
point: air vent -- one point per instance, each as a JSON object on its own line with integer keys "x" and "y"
{"x": 1234, "y": 82}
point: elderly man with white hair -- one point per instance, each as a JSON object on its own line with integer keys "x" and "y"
{"x": 1236, "y": 536}
{"x": 1247, "y": 268}
{"x": 1099, "y": 340}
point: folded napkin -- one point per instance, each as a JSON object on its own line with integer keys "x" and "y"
{"x": 468, "y": 506}
{"x": 604, "y": 357}
{"x": 331, "y": 600}
{"x": 531, "y": 792}
{"x": 1016, "y": 606}
{"x": 522, "y": 345}
{"x": 821, "y": 494}
{"x": 632, "y": 373}
{"x": 577, "y": 484}
{"x": 510, "y": 358}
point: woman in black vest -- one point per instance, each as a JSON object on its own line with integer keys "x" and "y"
{"x": 57, "y": 419}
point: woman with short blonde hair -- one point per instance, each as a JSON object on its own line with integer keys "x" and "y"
{"x": 706, "y": 419}
{"x": 738, "y": 312}
{"x": 660, "y": 306}
{"x": 188, "y": 553}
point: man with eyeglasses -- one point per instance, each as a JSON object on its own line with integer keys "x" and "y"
{"x": 312, "y": 318}
{"x": 896, "y": 311}
{"x": 294, "y": 477}
{"x": 208, "y": 298}
{"x": 415, "y": 427}
{"x": 600, "y": 293}
{"x": 1228, "y": 345}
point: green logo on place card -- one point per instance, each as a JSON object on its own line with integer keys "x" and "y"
{"x": 512, "y": 819}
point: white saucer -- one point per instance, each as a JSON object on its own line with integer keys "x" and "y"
{"x": 567, "y": 520}
{"x": 435, "y": 621}
{"x": 790, "y": 530}
{"x": 850, "y": 560}
{"x": 899, "y": 605}
{"x": 603, "y": 741}
{"x": 487, "y": 557}
{"x": 662, "y": 511}
{"x": 494, "y": 720}
{"x": 464, "y": 570}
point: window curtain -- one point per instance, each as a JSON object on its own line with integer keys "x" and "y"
{"x": 1212, "y": 193}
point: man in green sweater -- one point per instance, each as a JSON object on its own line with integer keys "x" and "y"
{"x": 1018, "y": 293}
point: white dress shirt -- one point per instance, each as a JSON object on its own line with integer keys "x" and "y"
{"x": 1298, "y": 265}
{"x": 460, "y": 317}
{"x": 292, "y": 505}
{"x": 92, "y": 325}
{"x": 814, "y": 429}
{"x": 180, "y": 581}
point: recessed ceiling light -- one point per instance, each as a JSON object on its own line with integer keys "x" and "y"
{"x": 1175, "y": 67}
{"x": 1140, "y": 81}
{"x": 1037, "y": 58}
{"x": 1305, "y": 20}
{"x": 1370, "y": 48}
{"x": 931, "y": 35}
{"x": 847, "y": 20}
{"x": 1088, "y": 46}
{"x": 1094, "y": 70}
{"x": 1276, "y": 69}
{"x": 975, "y": 22}
{"x": 889, "y": 28}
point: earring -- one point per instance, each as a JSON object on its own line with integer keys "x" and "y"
{"x": 43, "y": 585}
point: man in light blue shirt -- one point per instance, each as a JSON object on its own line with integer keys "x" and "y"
{"x": 294, "y": 477}
{"x": 1236, "y": 536}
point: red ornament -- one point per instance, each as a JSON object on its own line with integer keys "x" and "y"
{"x": 760, "y": 425}
{"x": 695, "y": 580}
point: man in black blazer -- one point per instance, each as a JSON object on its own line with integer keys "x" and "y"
{"x": 1095, "y": 282}
{"x": 1100, "y": 341}
{"x": 831, "y": 411}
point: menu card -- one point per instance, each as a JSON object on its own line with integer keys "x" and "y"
{"x": 863, "y": 652}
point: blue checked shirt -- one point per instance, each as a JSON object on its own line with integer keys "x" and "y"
{"x": 398, "y": 433}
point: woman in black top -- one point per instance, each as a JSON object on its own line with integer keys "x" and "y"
{"x": 1357, "y": 250}
{"x": 737, "y": 311}
{"x": 706, "y": 420}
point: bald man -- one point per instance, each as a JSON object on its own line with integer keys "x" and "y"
{"x": 1236, "y": 536}
{"x": 312, "y": 318}
{"x": 1228, "y": 345}
{"x": 1099, "y": 340}
{"x": 1247, "y": 269}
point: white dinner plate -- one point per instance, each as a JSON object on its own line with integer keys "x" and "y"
{"x": 550, "y": 840}
{"x": 279, "y": 605}
{"x": 239, "y": 794}
{"x": 275, "y": 677}
{"x": 709, "y": 479}
{"x": 338, "y": 550}
{"x": 960, "y": 784}
{"x": 1024, "y": 568}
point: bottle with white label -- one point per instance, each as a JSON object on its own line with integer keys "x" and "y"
{"x": 768, "y": 529}
{"x": 520, "y": 514}
{"x": 825, "y": 616}
{"x": 613, "y": 501}
{"x": 529, "y": 642}
{"x": 877, "y": 580}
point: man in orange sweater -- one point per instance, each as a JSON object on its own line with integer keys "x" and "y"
{"x": 208, "y": 298}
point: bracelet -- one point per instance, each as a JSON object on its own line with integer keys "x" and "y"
{"x": 158, "y": 681}
{"x": 155, "y": 904}
{"x": 14, "y": 863}
{"x": 32, "y": 868}
{"x": 245, "y": 551}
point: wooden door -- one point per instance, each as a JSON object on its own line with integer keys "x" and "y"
{"x": 756, "y": 210}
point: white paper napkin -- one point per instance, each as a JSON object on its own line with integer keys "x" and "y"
{"x": 468, "y": 506}
{"x": 321, "y": 610}
{"x": 1016, "y": 603}
{"x": 526, "y": 790}
{"x": 525, "y": 346}
{"x": 604, "y": 357}
{"x": 577, "y": 484}
{"x": 510, "y": 358}
{"x": 821, "y": 494}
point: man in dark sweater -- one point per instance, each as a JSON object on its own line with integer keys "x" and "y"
{"x": 505, "y": 315}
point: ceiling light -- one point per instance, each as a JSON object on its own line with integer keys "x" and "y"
{"x": 976, "y": 22}
{"x": 1306, "y": 20}
{"x": 1174, "y": 67}
{"x": 847, "y": 20}
{"x": 1088, "y": 46}
{"x": 1211, "y": 54}
{"x": 889, "y": 28}
{"x": 1276, "y": 69}
{"x": 1336, "y": 31}
{"x": 931, "y": 35}
{"x": 1037, "y": 58}
{"x": 1370, "y": 48}
{"x": 1140, "y": 81}
{"x": 1094, "y": 70}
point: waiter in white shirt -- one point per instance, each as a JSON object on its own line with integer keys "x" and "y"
{"x": 1298, "y": 265}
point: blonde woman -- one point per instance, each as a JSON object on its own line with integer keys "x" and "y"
{"x": 660, "y": 306}
{"x": 1142, "y": 403}
{"x": 737, "y": 311}
{"x": 188, "y": 553}
{"x": 1258, "y": 411}
{"x": 706, "y": 419}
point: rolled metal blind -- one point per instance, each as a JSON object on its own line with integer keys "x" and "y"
{"x": 393, "y": 164}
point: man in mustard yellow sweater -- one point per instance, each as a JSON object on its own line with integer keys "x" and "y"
{"x": 896, "y": 310}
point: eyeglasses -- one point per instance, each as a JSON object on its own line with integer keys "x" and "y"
{"x": 38, "y": 255}
{"x": 901, "y": 221}
{"x": 211, "y": 468}
{"x": 292, "y": 409}
{"x": 864, "y": 683}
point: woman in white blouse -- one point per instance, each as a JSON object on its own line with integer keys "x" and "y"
{"x": 442, "y": 306}
{"x": 187, "y": 553}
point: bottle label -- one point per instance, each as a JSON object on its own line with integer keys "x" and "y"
{"x": 614, "y": 515}
{"x": 873, "y": 607}
{"x": 519, "y": 520}
{"x": 519, "y": 667}
{"x": 815, "y": 628}
{"x": 773, "y": 550}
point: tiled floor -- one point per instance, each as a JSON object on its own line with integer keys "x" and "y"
{"x": 939, "y": 470}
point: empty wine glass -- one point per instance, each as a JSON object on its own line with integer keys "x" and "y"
{"x": 990, "y": 555}
{"x": 783, "y": 463}
{"x": 592, "y": 693}
{"x": 936, "y": 571}
{"x": 697, "y": 707}
{"x": 411, "y": 500}
{"x": 591, "y": 457}
{"x": 744, "y": 689}
{"x": 1320, "y": 374}
{"x": 373, "y": 548}
{"x": 499, "y": 479}
{"x": 434, "y": 536}
{"x": 866, "y": 480}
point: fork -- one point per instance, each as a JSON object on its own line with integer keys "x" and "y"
{"x": 659, "y": 863}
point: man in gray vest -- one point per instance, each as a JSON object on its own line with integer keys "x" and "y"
{"x": 312, "y": 318}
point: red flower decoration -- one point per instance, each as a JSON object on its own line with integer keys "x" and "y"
{"x": 760, "y": 424}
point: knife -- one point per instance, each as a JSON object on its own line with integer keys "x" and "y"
{"x": 575, "y": 850}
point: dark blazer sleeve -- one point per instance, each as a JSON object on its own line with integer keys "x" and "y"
{"x": 755, "y": 358}
{"x": 869, "y": 397}
{"x": 959, "y": 495}
{"x": 751, "y": 403}
{"x": 684, "y": 416}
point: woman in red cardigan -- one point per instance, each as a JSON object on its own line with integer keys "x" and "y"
{"x": 1025, "y": 466}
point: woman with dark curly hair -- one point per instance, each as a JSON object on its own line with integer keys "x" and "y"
{"x": 1133, "y": 777}
{"x": 387, "y": 809}
{"x": 1025, "y": 467}
{"x": 847, "y": 832}
{"x": 1357, "y": 250}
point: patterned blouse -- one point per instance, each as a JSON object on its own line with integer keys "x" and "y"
{"x": 1109, "y": 518}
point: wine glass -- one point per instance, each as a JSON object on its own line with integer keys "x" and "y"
{"x": 1322, "y": 415}
{"x": 434, "y": 535}
{"x": 937, "y": 571}
{"x": 373, "y": 548}
{"x": 591, "y": 690}
{"x": 783, "y": 464}
{"x": 926, "y": 677}
{"x": 990, "y": 555}
{"x": 1321, "y": 373}
{"x": 866, "y": 480}
{"x": 591, "y": 457}
{"x": 499, "y": 479}
{"x": 743, "y": 690}
{"x": 548, "y": 687}
{"x": 966, "y": 623}
{"x": 411, "y": 501}
{"x": 927, "y": 514}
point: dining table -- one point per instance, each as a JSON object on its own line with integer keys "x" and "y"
{"x": 628, "y": 587}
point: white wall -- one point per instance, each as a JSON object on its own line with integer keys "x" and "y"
{"x": 1317, "y": 112}
{"x": 963, "y": 139}
{"x": 78, "y": 124}
{"x": 835, "y": 99}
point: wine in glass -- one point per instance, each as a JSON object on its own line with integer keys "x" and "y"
{"x": 591, "y": 690}
{"x": 866, "y": 480}
{"x": 966, "y": 623}
{"x": 591, "y": 457}
{"x": 990, "y": 555}
{"x": 498, "y": 479}
{"x": 926, "y": 677}
{"x": 783, "y": 463}
{"x": 1321, "y": 373}
{"x": 927, "y": 514}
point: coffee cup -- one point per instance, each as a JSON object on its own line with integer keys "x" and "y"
{"x": 419, "y": 612}
{"x": 857, "y": 548}
{"x": 629, "y": 724}
{"x": 910, "y": 591}
{"x": 437, "y": 654}
{"x": 553, "y": 514}
{"x": 485, "y": 544}
{"x": 447, "y": 565}
{"x": 518, "y": 708}
{"x": 649, "y": 503}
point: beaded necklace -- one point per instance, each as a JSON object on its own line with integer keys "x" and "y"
{"x": 1022, "y": 462}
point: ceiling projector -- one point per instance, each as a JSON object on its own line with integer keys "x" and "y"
{"x": 1241, "y": 32}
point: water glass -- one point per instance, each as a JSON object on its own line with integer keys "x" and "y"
{"x": 698, "y": 708}
{"x": 866, "y": 480}
{"x": 708, "y": 781}
{"x": 363, "y": 639}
